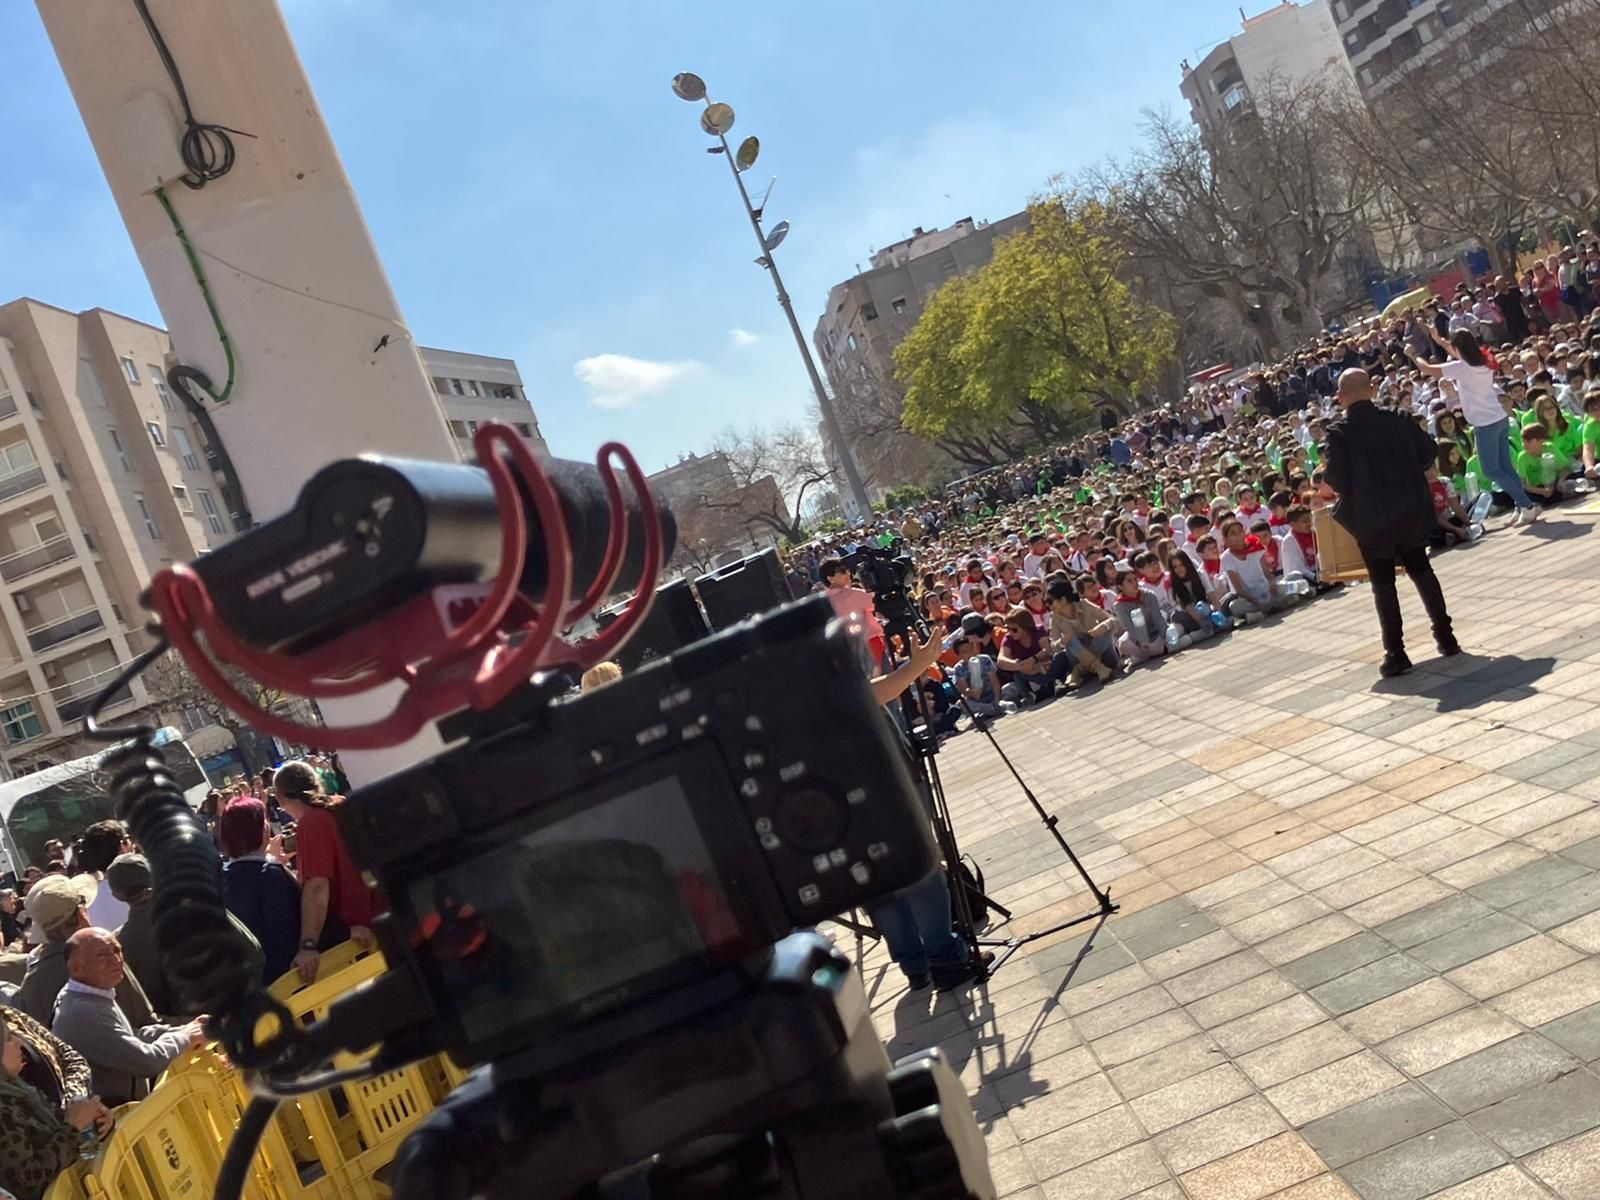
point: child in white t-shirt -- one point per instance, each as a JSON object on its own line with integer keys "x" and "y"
{"x": 1252, "y": 587}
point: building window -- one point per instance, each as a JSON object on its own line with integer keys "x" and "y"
{"x": 1235, "y": 96}
{"x": 159, "y": 382}
{"x": 209, "y": 507}
{"x": 185, "y": 448}
{"x": 181, "y": 495}
{"x": 1341, "y": 10}
{"x": 195, "y": 718}
{"x": 898, "y": 304}
{"x": 1447, "y": 14}
{"x": 1366, "y": 76}
{"x": 131, "y": 371}
{"x": 522, "y": 427}
{"x": 440, "y": 386}
{"x": 116, "y": 444}
{"x": 18, "y": 456}
{"x": 150, "y": 525}
{"x": 869, "y": 311}
{"x": 852, "y": 343}
{"x": 455, "y": 386}
{"x": 472, "y": 387}
{"x": 20, "y": 722}
{"x": 155, "y": 432}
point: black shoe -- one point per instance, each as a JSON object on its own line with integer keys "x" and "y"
{"x": 947, "y": 978}
{"x": 1394, "y": 664}
{"x": 1448, "y": 648}
{"x": 918, "y": 981}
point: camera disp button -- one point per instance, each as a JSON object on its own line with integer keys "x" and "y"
{"x": 811, "y": 820}
{"x": 810, "y": 893}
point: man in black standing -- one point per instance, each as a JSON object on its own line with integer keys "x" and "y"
{"x": 1508, "y": 299}
{"x": 1375, "y": 461}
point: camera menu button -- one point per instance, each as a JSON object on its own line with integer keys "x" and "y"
{"x": 810, "y": 893}
{"x": 819, "y": 863}
{"x": 861, "y": 873}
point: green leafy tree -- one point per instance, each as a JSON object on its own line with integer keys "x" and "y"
{"x": 1029, "y": 347}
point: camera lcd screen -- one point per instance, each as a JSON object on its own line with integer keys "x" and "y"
{"x": 579, "y": 915}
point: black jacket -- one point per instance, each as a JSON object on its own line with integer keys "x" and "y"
{"x": 1375, "y": 461}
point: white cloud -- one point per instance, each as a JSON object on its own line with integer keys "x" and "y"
{"x": 743, "y": 337}
{"x": 621, "y": 381}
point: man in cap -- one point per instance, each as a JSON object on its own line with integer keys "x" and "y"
{"x": 129, "y": 879}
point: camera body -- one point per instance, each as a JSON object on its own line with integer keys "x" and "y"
{"x": 610, "y": 847}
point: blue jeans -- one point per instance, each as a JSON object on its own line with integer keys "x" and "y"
{"x": 1494, "y": 456}
{"x": 916, "y": 924}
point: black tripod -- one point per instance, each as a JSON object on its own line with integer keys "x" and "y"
{"x": 899, "y": 621}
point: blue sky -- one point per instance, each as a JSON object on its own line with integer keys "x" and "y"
{"x": 585, "y": 223}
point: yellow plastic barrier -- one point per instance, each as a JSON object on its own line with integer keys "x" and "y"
{"x": 168, "y": 1146}
{"x": 68, "y": 1185}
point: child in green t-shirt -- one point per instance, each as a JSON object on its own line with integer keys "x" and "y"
{"x": 1542, "y": 466}
{"x": 1589, "y": 446}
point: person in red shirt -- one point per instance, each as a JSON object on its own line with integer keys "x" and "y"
{"x": 331, "y": 889}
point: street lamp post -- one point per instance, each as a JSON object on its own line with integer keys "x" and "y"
{"x": 716, "y": 121}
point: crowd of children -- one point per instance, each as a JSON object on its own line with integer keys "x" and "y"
{"x": 1137, "y": 543}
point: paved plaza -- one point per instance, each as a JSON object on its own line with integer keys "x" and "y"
{"x": 1359, "y": 946}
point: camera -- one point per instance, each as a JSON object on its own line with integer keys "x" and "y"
{"x": 623, "y": 841}
{"x": 887, "y": 572}
{"x": 604, "y": 900}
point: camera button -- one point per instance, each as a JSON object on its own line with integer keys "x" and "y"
{"x": 752, "y": 724}
{"x": 820, "y": 864}
{"x": 878, "y": 850}
{"x": 838, "y": 857}
{"x": 810, "y": 893}
{"x": 763, "y": 824}
{"x": 856, "y": 795}
{"x": 750, "y": 789}
{"x": 754, "y": 760}
{"x": 597, "y": 756}
{"x": 860, "y": 872}
{"x": 812, "y": 820}
{"x": 769, "y": 841}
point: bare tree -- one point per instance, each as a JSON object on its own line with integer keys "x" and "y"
{"x": 1255, "y": 211}
{"x": 173, "y": 687}
{"x": 772, "y": 471}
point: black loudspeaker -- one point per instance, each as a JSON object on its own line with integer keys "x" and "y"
{"x": 673, "y": 622}
{"x": 743, "y": 589}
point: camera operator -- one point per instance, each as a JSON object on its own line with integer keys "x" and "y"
{"x": 916, "y": 922}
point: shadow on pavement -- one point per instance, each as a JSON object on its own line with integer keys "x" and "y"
{"x": 1469, "y": 689}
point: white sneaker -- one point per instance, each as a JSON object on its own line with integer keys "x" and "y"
{"x": 1528, "y": 515}
{"x": 1516, "y": 519}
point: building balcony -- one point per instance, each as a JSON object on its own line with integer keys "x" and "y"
{"x": 64, "y": 629}
{"x": 74, "y": 708}
{"x": 8, "y": 406}
{"x": 35, "y": 558}
{"x": 20, "y": 483}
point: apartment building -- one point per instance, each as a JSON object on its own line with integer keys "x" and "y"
{"x": 475, "y": 388}
{"x": 103, "y": 481}
{"x": 1385, "y": 39}
{"x": 1288, "y": 46}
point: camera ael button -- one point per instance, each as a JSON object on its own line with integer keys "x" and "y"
{"x": 811, "y": 820}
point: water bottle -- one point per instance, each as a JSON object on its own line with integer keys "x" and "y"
{"x": 1467, "y": 488}
{"x": 1480, "y": 509}
{"x": 1137, "y": 617}
{"x": 1298, "y": 585}
{"x": 1219, "y": 619}
{"x": 1547, "y": 468}
{"x": 1474, "y": 531}
{"x": 1174, "y": 635}
{"x": 1203, "y": 610}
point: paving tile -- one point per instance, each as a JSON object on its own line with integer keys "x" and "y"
{"x": 1323, "y": 1187}
{"x": 1560, "y": 904}
{"x": 1167, "y": 1065}
{"x": 1114, "y": 1177}
{"x": 1214, "y": 977}
{"x": 1447, "y": 1039}
{"x": 1566, "y": 991}
{"x": 1512, "y": 967}
{"x": 1543, "y": 1115}
{"x": 1275, "y": 920}
{"x": 1268, "y": 1025}
{"x": 1034, "y": 1112}
{"x": 1138, "y": 1040}
{"x": 1257, "y": 1171}
{"x": 1471, "y": 941}
{"x": 1241, "y": 999}
{"x": 1185, "y": 958}
{"x": 1205, "y": 1139}
{"x": 1297, "y": 943}
{"x": 1297, "y": 1054}
{"x": 1406, "y": 898}
{"x": 1526, "y": 882}
{"x": 1432, "y": 920}
{"x": 1337, "y": 1085}
{"x": 1086, "y": 996}
{"x": 1364, "y": 885}
{"x": 1259, "y": 899}
{"x": 1571, "y": 1168}
{"x": 1488, "y": 865}
{"x": 1578, "y": 1033}
{"x": 1122, "y": 1012}
{"x": 1365, "y": 1128}
{"x": 1332, "y": 961}
{"x": 1501, "y": 1071}
{"x": 1502, "y": 1183}
{"x": 1423, "y": 1165}
{"x": 1190, "y": 1098}
{"x": 1366, "y": 984}
{"x": 1082, "y": 1142}
{"x": 1394, "y": 1015}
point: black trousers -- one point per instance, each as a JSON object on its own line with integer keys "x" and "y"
{"x": 1380, "y": 571}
